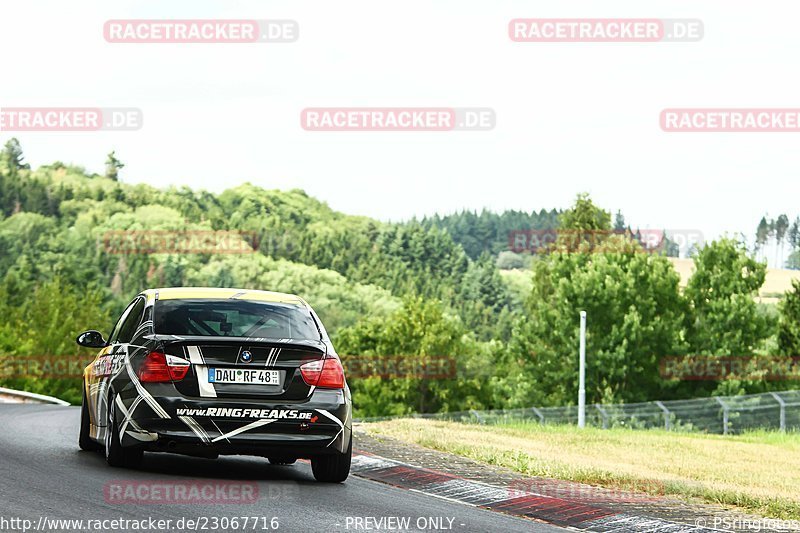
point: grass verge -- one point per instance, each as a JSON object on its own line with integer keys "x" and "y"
{"x": 756, "y": 472}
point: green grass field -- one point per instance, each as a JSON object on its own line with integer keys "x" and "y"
{"x": 757, "y": 472}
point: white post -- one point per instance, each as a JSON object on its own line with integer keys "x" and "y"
{"x": 782, "y": 403}
{"x": 582, "y": 375}
{"x": 663, "y": 407}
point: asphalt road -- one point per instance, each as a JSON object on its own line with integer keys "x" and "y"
{"x": 44, "y": 474}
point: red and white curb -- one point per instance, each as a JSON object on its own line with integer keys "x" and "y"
{"x": 558, "y": 511}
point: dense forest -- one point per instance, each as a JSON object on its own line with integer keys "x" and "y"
{"x": 445, "y": 286}
{"x": 487, "y": 231}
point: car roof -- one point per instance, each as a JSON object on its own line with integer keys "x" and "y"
{"x": 211, "y": 293}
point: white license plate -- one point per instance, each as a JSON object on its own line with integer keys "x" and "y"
{"x": 244, "y": 376}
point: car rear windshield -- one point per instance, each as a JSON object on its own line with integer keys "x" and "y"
{"x": 238, "y": 318}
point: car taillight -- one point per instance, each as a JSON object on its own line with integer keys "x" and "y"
{"x": 160, "y": 368}
{"x": 325, "y": 373}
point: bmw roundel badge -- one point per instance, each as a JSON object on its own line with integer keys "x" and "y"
{"x": 246, "y": 356}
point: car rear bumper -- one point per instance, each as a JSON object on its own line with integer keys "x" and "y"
{"x": 276, "y": 444}
{"x": 209, "y": 426}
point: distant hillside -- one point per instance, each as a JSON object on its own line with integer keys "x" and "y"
{"x": 55, "y": 221}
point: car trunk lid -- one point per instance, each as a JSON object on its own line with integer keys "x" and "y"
{"x": 243, "y": 367}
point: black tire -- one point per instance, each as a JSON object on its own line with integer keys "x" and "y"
{"x": 282, "y": 460}
{"x": 333, "y": 468}
{"x": 116, "y": 455}
{"x": 84, "y": 440}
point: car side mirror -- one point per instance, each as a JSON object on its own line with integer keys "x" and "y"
{"x": 91, "y": 339}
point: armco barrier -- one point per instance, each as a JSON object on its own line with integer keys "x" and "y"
{"x": 29, "y": 397}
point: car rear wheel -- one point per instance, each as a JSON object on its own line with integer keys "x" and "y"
{"x": 116, "y": 455}
{"x": 84, "y": 440}
{"x": 333, "y": 468}
{"x": 282, "y": 460}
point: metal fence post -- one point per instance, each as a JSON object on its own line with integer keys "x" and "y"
{"x": 477, "y": 415}
{"x": 782, "y": 403}
{"x": 538, "y": 413}
{"x": 666, "y": 415}
{"x": 603, "y": 414}
{"x": 582, "y": 373}
{"x": 725, "y": 410}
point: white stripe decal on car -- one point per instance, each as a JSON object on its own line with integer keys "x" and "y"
{"x": 128, "y": 414}
{"x": 154, "y": 405}
{"x": 195, "y": 427}
{"x": 216, "y": 426}
{"x": 327, "y": 414}
{"x": 207, "y": 389}
{"x": 273, "y": 352}
{"x": 144, "y": 436}
{"x": 346, "y": 416}
{"x": 195, "y": 357}
{"x": 252, "y": 425}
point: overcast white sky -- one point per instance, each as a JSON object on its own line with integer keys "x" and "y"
{"x": 570, "y": 116}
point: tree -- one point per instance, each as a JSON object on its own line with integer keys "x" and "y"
{"x": 725, "y": 319}
{"x": 794, "y": 233}
{"x": 113, "y": 166}
{"x": 670, "y": 248}
{"x": 793, "y": 263}
{"x": 781, "y": 227}
{"x": 420, "y": 335}
{"x": 12, "y": 155}
{"x": 619, "y": 221}
{"x": 508, "y": 260}
{"x": 762, "y": 234}
{"x": 770, "y": 237}
{"x": 585, "y": 216}
{"x": 482, "y": 282}
{"x": 789, "y": 323}
{"x": 582, "y": 226}
{"x": 45, "y": 323}
{"x": 487, "y": 231}
{"x": 483, "y": 296}
{"x": 794, "y": 244}
{"x": 635, "y": 317}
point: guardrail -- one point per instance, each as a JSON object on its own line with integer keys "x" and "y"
{"x": 30, "y": 397}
